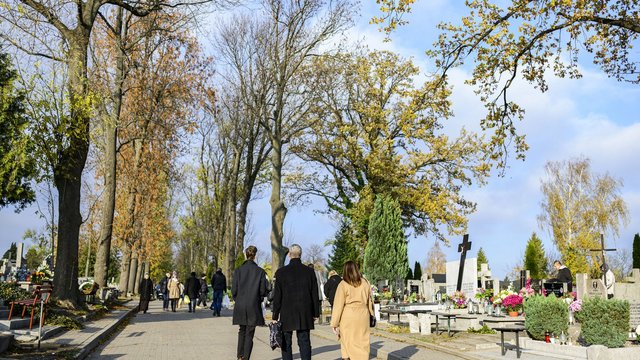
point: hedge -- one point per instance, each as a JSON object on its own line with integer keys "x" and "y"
{"x": 544, "y": 314}
{"x": 604, "y": 321}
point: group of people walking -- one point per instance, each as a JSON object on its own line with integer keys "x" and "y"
{"x": 295, "y": 305}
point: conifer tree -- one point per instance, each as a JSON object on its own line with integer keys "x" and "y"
{"x": 482, "y": 258}
{"x": 11, "y": 252}
{"x": 534, "y": 258}
{"x": 343, "y": 248}
{"x": 409, "y": 275}
{"x": 417, "y": 271}
{"x": 385, "y": 256}
{"x": 636, "y": 251}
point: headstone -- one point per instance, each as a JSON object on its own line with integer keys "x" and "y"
{"x": 634, "y": 311}
{"x": 425, "y": 324}
{"x": 415, "y": 286}
{"x": 19, "y": 255}
{"x": 596, "y": 288}
{"x": 469, "y": 277}
{"x": 581, "y": 285}
{"x": 496, "y": 286}
{"x": 484, "y": 274}
{"x": 429, "y": 288}
{"x": 414, "y": 324}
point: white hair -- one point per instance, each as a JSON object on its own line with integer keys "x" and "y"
{"x": 295, "y": 251}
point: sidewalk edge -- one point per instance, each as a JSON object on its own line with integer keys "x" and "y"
{"x": 102, "y": 334}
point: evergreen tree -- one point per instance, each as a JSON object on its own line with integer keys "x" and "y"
{"x": 385, "y": 256}
{"x": 409, "y": 275}
{"x": 17, "y": 165}
{"x": 534, "y": 258}
{"x": 343, "y": 248}
{"x": 482, "y": 258}
{"x": 417, "y": 271}
{"x": 11, "y": 253}
{"x": 636, "y": 251}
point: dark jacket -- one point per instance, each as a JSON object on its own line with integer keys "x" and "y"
{"x": 192, "y": 287}
{"x": 204, "y": 289}
{"x": 163, "y": 285}
{"x": 219, "y": 281}
{"x": 564, "y": 275}
{"x": 248, "y": 288}
{"x": 146, "y": 289}
{"x": 295, "y": 299}
{"x": 331, "y": 286}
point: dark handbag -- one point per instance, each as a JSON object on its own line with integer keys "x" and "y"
{"x": 372, "y": 321}
{"x": 275, "y": 335}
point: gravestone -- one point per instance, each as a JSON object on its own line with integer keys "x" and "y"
{"x": 19, "y": 255}
{"x": 484, "y": 274}
{"x": 415, "y": 286}
{"x": 469, "y": 277}
{"x": 429, "y": 288}
{"x": 587, "y": 287}
{"x": 634, "y": 311}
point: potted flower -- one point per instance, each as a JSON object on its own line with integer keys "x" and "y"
{"x": 459, "y": 300}
{"x": 513, "y": 304}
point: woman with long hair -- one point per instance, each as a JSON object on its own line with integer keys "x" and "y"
{"x": 174, "y": 290}
{"x": 352, "y": 307}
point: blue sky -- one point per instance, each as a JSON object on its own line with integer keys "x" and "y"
{"x": 593, "y": 117}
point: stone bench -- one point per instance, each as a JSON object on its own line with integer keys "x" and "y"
{"x": 465, "y": 322}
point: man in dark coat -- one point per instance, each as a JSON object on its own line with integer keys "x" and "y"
{"x": 331, "y": 286}
{"x": 164, "y": 289}
{"x": 295, "y": 303}
{"x": 248, "y": 288}
{"x": 219, "y": 286}
{"x": 146, "y": 291}
{"x": 204, "y": 291}
{"x": 564, "y": 275}
{"x": 192, "y": 289}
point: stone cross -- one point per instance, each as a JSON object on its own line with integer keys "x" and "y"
{"x": 602, "y": 251}
{"x": 462, "y": 249}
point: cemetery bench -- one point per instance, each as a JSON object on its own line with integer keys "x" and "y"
{"x": 444, "y": 315}
{"x": 513, "y": 329}
{"x": 39, "y": 293}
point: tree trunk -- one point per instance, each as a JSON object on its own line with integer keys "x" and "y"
{"x": 230, "y": 239}
{"x": 124, "y": 269}
{"x": 101, "y": 267}
{"x": 278, "y": 209}
{"x": 133, "y": 269}
{"x": 68, "y": 175}
{"x": 139, "y": 272}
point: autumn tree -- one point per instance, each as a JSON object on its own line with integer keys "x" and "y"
{"x": 436, "y": 260}
{"x": 17, "y": 165}
{"x": 531, "y": 40}
{"x": 535, "y": 259}
{"x": 375, "y": 132}
{"x": 482, "y": 258}
{"x": 385, "y": 257}
{"x": 577, "y": 207}
{"x": 37, "y": 29}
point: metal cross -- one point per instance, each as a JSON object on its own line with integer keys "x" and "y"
{"x": 462, "y": 249}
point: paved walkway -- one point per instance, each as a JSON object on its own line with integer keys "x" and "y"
{"x": 162, "y": 335}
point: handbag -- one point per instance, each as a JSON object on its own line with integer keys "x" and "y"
{"x": 187, "y": 300}
{"x": 372, "y": 321}
{"x": 275, "y": 335}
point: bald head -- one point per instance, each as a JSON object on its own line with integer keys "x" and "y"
{"x": 295, "y": 251}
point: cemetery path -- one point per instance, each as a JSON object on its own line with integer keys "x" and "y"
{"x": 164, "y": 335}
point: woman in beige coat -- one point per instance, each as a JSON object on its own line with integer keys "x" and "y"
{"x": 350, "y": 316}
{"x": 174, "y": 291}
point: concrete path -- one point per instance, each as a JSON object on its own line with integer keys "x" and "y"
{"x": 162, "y": 335}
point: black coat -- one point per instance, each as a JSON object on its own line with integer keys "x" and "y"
{"x": 295, "y": 299}
{"x": 219, "y": 281}
{"x": 331, "y": 286}
{"x": 564, "y": 275}
{"x": 146, "y": 289}
{"x": 248, "y": 288}
{"x": 192, "y": 287}
{"x": 163, "y": 285}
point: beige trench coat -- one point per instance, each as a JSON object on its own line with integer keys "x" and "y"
{"x": 174, "y": 288}
{"x": 351, "y": 309}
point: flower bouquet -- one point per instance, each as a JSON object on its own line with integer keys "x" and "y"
{"x": 513, "y": 303}
{"x": 459, "y": 300}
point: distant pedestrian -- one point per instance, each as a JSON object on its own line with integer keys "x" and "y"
{"x": 181, "y": 300}
{"x": 331, "y": 286}
{"x": 192, "y": 290}
{"x": 248, "y": 288}
{"x": 320, "y": 282}
{"x": 352, "y": 307}
{"x": 174, "y": 291}
{"x": 204, "y": 291}
{"x": 295, "y": 303}
{"x": 146, "y": 292}
{"x": 608, "y": 278}
{"x": 164, "y": 290}
{"x": 219, "y": 286}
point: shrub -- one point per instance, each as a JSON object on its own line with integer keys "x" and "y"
{"x": 12, "y": 291}
{"x": 545, "y": 314}
{"x": 604, "y": 322}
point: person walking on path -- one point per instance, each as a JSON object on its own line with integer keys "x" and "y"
{"x": 192, "y": 289}
{"x": 331, "y": 286}
{"x": 248, "y": 288}
{"x": 352, "y": 307}
{"x": 295, "y": 303}
{"x": 320, "y": 283}
{"x": 164, "y": 290}
{"x": 146, "y": 291}
{"x": 204, "y": 291}
{"x": 219, "y": 286}
{"x": 174, "y": 291}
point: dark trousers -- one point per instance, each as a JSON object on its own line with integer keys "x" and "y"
{"x": 165, "y": 301}
{"x": 202, "y": 299}
{"x": 304, "y": 343}
{"x": 192, "y": 304}
{"x": 144, "y": 305}
{"x": 217, "y": 301}
{"x": 245, "y": 341}
{"x": 174, "y": 303}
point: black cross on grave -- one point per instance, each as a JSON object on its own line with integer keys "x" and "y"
{"x": 462, "y": 249}
{"x": 602, "y": 251}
